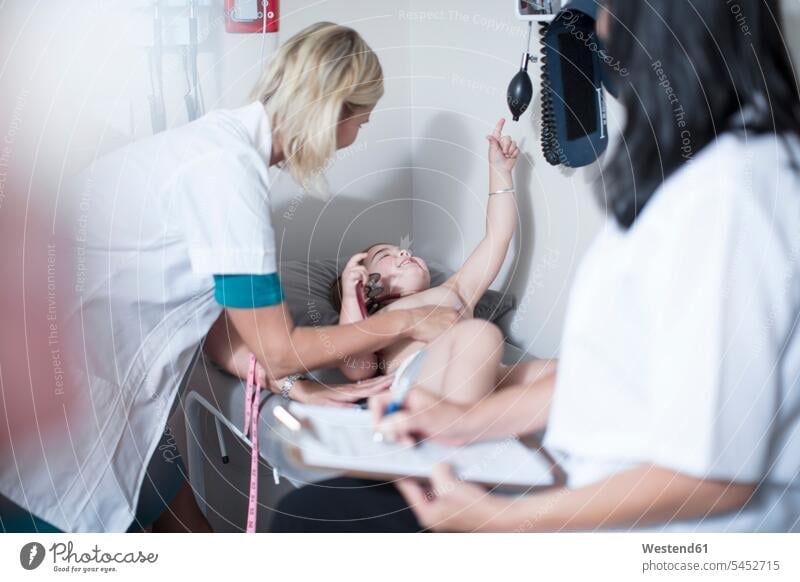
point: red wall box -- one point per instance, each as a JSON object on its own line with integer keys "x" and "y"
{"x": 251, "y": 26}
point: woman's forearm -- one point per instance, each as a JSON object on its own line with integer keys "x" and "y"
{"x": 645, "y": 495}
{"x": 226, "y": 348}
{"x": 319, "y": 347}
{"x": 283, "y": 349}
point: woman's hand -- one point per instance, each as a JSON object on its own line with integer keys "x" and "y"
{"x": 341, "y": 395}
{"x": 429, "y": 322}
{"x": 449, "y": 504}
{"x": 262, "y": 379}
{"x": 503, "y": 151}
{"x": 424, "y": 416}
{"x": 354, "y": 273}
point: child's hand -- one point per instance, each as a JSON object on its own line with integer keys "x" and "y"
{"x": 354, "y": 273}
{"x": 503, "y": 151}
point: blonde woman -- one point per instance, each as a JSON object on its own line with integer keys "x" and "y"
{"x": 174, "y": 230}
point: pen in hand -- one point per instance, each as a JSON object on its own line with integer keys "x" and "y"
{"x": 405, "y": 378}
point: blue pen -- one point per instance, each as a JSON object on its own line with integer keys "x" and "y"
{"x": 404, "y": 379}
{"x": 406, "y": 376}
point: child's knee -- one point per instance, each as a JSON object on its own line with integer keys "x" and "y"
{"x": 478, "y": 330}
{"x": 489, "y": 339}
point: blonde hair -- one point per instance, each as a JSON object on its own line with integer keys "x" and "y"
{"x": 317, "y": 77}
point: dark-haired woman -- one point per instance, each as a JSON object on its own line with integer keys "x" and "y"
{"x": 677, "y": 401}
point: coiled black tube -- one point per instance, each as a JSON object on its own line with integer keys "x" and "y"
{"x": 550, "y": 147}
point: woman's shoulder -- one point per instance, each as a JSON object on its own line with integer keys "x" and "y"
{"x": 738, "y": 154}
{"x": 738, "y": 160}
{"x": 241, "y": 133}
{"x": 736, "y": 174}
{"x": 239, "y": 124}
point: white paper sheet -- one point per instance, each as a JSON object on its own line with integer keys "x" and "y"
{"x": 344, "y": 440}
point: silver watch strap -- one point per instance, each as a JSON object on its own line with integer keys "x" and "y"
{"x": 288, "y": 384}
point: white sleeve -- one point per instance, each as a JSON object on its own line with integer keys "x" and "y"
{"x": 716, "y": 286}
{"x": 226, "y": 214}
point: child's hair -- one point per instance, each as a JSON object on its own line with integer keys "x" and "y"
{"x": 316, "y": 78}
{"x": 335, "y": 293}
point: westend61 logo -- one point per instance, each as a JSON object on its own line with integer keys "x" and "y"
{"x": 66, "y": 559}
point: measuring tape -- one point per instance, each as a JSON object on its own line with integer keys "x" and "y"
{"x": 251, "y": 402}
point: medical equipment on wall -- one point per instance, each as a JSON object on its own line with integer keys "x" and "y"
{"x": 194, "y": 96}
{"x": 573, "y": 126}
{"x": 537, "y": 10}
{"x": 173, "y": 27}
{"x": 167, "y": 33}
{"x": 158, "y": 115}
{"x": 251, "y": 16}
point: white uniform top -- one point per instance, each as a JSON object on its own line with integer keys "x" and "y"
{"x": 681, "y": 346}
{"x": 155, "y": 220}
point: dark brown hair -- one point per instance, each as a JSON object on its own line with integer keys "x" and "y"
{"x": 726, "y": 67}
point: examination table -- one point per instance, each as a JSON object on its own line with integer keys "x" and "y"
{"x": 211, "y": 412}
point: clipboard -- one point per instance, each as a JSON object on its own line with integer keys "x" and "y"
{"x": 341, "y": 440}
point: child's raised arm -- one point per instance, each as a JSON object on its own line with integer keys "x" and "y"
{"x": 474, "y": 277}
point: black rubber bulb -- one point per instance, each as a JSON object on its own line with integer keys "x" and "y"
{"x": 520, "y": 93}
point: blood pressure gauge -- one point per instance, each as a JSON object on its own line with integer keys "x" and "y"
{"x": 537, "y": 10}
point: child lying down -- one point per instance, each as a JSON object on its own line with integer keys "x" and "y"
{"x": 463, "y": 364}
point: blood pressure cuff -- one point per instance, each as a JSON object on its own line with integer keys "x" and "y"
{"x": 573, "y": 104}
{"x": 248, "y": 291}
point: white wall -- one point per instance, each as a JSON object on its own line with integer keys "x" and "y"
{"x": 88, "y": 61}
{"x": 79, "y": 66}
{"x": 371, "y": 180}
{"x": 84, "y": 66}
{"x": 463, "y": 56}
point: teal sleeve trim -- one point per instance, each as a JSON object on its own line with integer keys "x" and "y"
{"x": 248, "y": 291}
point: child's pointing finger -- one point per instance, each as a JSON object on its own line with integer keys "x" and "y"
{"x": 498, "y": 129}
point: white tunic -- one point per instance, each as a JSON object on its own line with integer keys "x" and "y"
{"x": 155, "y": 220}
{"x": 681, "y": 346}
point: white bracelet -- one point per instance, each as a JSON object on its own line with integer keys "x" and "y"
{"x": 288, "y": 384}
{"x": 502, "y": 191}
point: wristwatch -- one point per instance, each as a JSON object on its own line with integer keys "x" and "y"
{"x": 288, "y": 384}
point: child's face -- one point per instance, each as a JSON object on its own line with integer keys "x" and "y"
{"x": 401, "y": 272}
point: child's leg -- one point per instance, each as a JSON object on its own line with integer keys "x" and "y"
{"x": 461, "y": 365}
{"x": 525, "y": 373}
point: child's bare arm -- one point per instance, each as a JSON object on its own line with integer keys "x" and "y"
{"x": 479, "y": 271}
{"x": 361, "y": 366}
